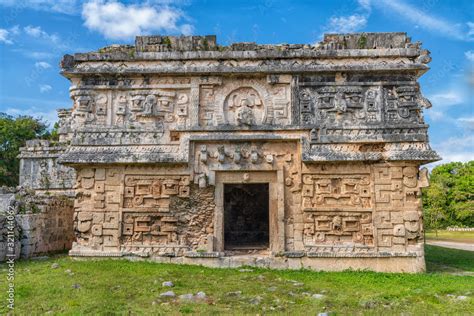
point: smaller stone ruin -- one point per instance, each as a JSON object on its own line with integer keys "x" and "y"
{"x": 42, "y": 205}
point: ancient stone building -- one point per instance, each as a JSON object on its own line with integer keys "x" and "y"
{"x": 282, "y": 156}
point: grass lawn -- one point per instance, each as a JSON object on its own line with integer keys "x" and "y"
{"x": 467, "y": 237}
{"x": 110, "y": 286}
{"x": 440, "y": 259}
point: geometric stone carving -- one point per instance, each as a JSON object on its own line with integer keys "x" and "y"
{"x": 336, "y": 131}
{"x": 324, "y": 191}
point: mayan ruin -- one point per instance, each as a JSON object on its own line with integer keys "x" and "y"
{"x": 285, "y": 156}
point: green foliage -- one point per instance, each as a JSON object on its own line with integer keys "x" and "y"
{"x": 166, "y": 41}
{"x": 362, "y": 41}
{"x": 53, "y": 135}
{"x": 449, "y": 200}
{"x": 14, "y": 132}
{"x": 205, "y": 44}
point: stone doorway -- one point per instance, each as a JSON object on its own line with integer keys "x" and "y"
{"x": 276, "y": 205}
{"x": 246, "y": 216}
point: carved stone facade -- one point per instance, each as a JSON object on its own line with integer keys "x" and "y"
{"x": 334, "y": 132}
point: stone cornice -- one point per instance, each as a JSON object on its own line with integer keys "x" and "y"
{"x": 357, "y": 52}
{"x": 258, "y": 54}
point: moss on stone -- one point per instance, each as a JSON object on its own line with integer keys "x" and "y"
{"x": 362, "y": 41}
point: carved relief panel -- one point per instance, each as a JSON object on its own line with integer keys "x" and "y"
{"x": 337, "y": 205}
{"x": 398, "y": 217}
{"x": 149, "y": 229}
{"x": 375, "y": 206}
{"x": 114, "y": 209}
{"x": 351, "y": 191}
{"x": 251, "y": 156}
{"x": 243, "y": 107}
{"x": 206, "y": 105}
{"x": 245, "y": 102}
{"x": 146, "y": 217}
{"x": 153, "y": 192}
{"x": 136, "y": 107}
{"x": 350, "y": 105}
{"x": 85, "y": 110}
{"x": 145, "y": 107}
{"x": 404, "y": 104}
{"x": 338, "y": 228}
{"x": 97, "y": 209}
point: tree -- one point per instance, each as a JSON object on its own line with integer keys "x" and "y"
{"x": 462, "y": 195}
{"x": 450, "y": 198}
{"x": 14, "y": 132}
{"x": 435, "y": 202}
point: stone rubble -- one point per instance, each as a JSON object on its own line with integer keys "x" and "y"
{"x": 168, "y": 294}
{"x": 167, "y": 284}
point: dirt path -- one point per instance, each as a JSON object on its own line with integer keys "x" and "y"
{"x": 451, "y": 244}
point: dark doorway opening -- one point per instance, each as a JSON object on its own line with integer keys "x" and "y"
{"x": 246, "y": 216}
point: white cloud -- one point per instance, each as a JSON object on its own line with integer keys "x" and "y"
{"x": 470, "y": 25}
{"x": 15, "y": 30}
{"x": 346, "y": 24}
{"x": 431, "y": 23}
{"x": 115, "y": 20}
{"x": 468, "y": 123}
{"x": 470, "y": 55}
{"x": 58, "y": 6}
{"x": 37, "y": 32}
{"x": 50, "y": 117}
{"x": 5, "y": 36}
{"x": 446, "y": 98}
{"x": 187, "y": 29}
{"x": 42, "y": 65}
{"x": 33, "y": 31}
{"x": 365, "y": 5}
{"x": 23, "y": 36}
{"x": 456, "y": 149}
{"x": 439, "y": 116}
{"x": 45, "y": 88}
{"x": 35, "y": 55}
{"x": 350, "y": 23}
{"x": 442, "y": 103}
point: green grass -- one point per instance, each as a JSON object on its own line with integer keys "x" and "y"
{"x": 446, "y": 259}
{"x": 110, "y": 286}
{"x": 467, "y": 237}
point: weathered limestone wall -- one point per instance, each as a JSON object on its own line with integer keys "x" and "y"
{"x": 40, "y": 171}
{"x": 43, "y": 223}
{"x": 336, "y": 130}
{"x": 10, "y": 230}
{"x": 49, "y": 230}
{"x": 6, "y": 234}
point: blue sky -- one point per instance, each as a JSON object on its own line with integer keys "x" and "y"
{"x": 35, "y": 34}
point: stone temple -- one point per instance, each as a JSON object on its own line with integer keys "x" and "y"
{"x": 180, "y": 150}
